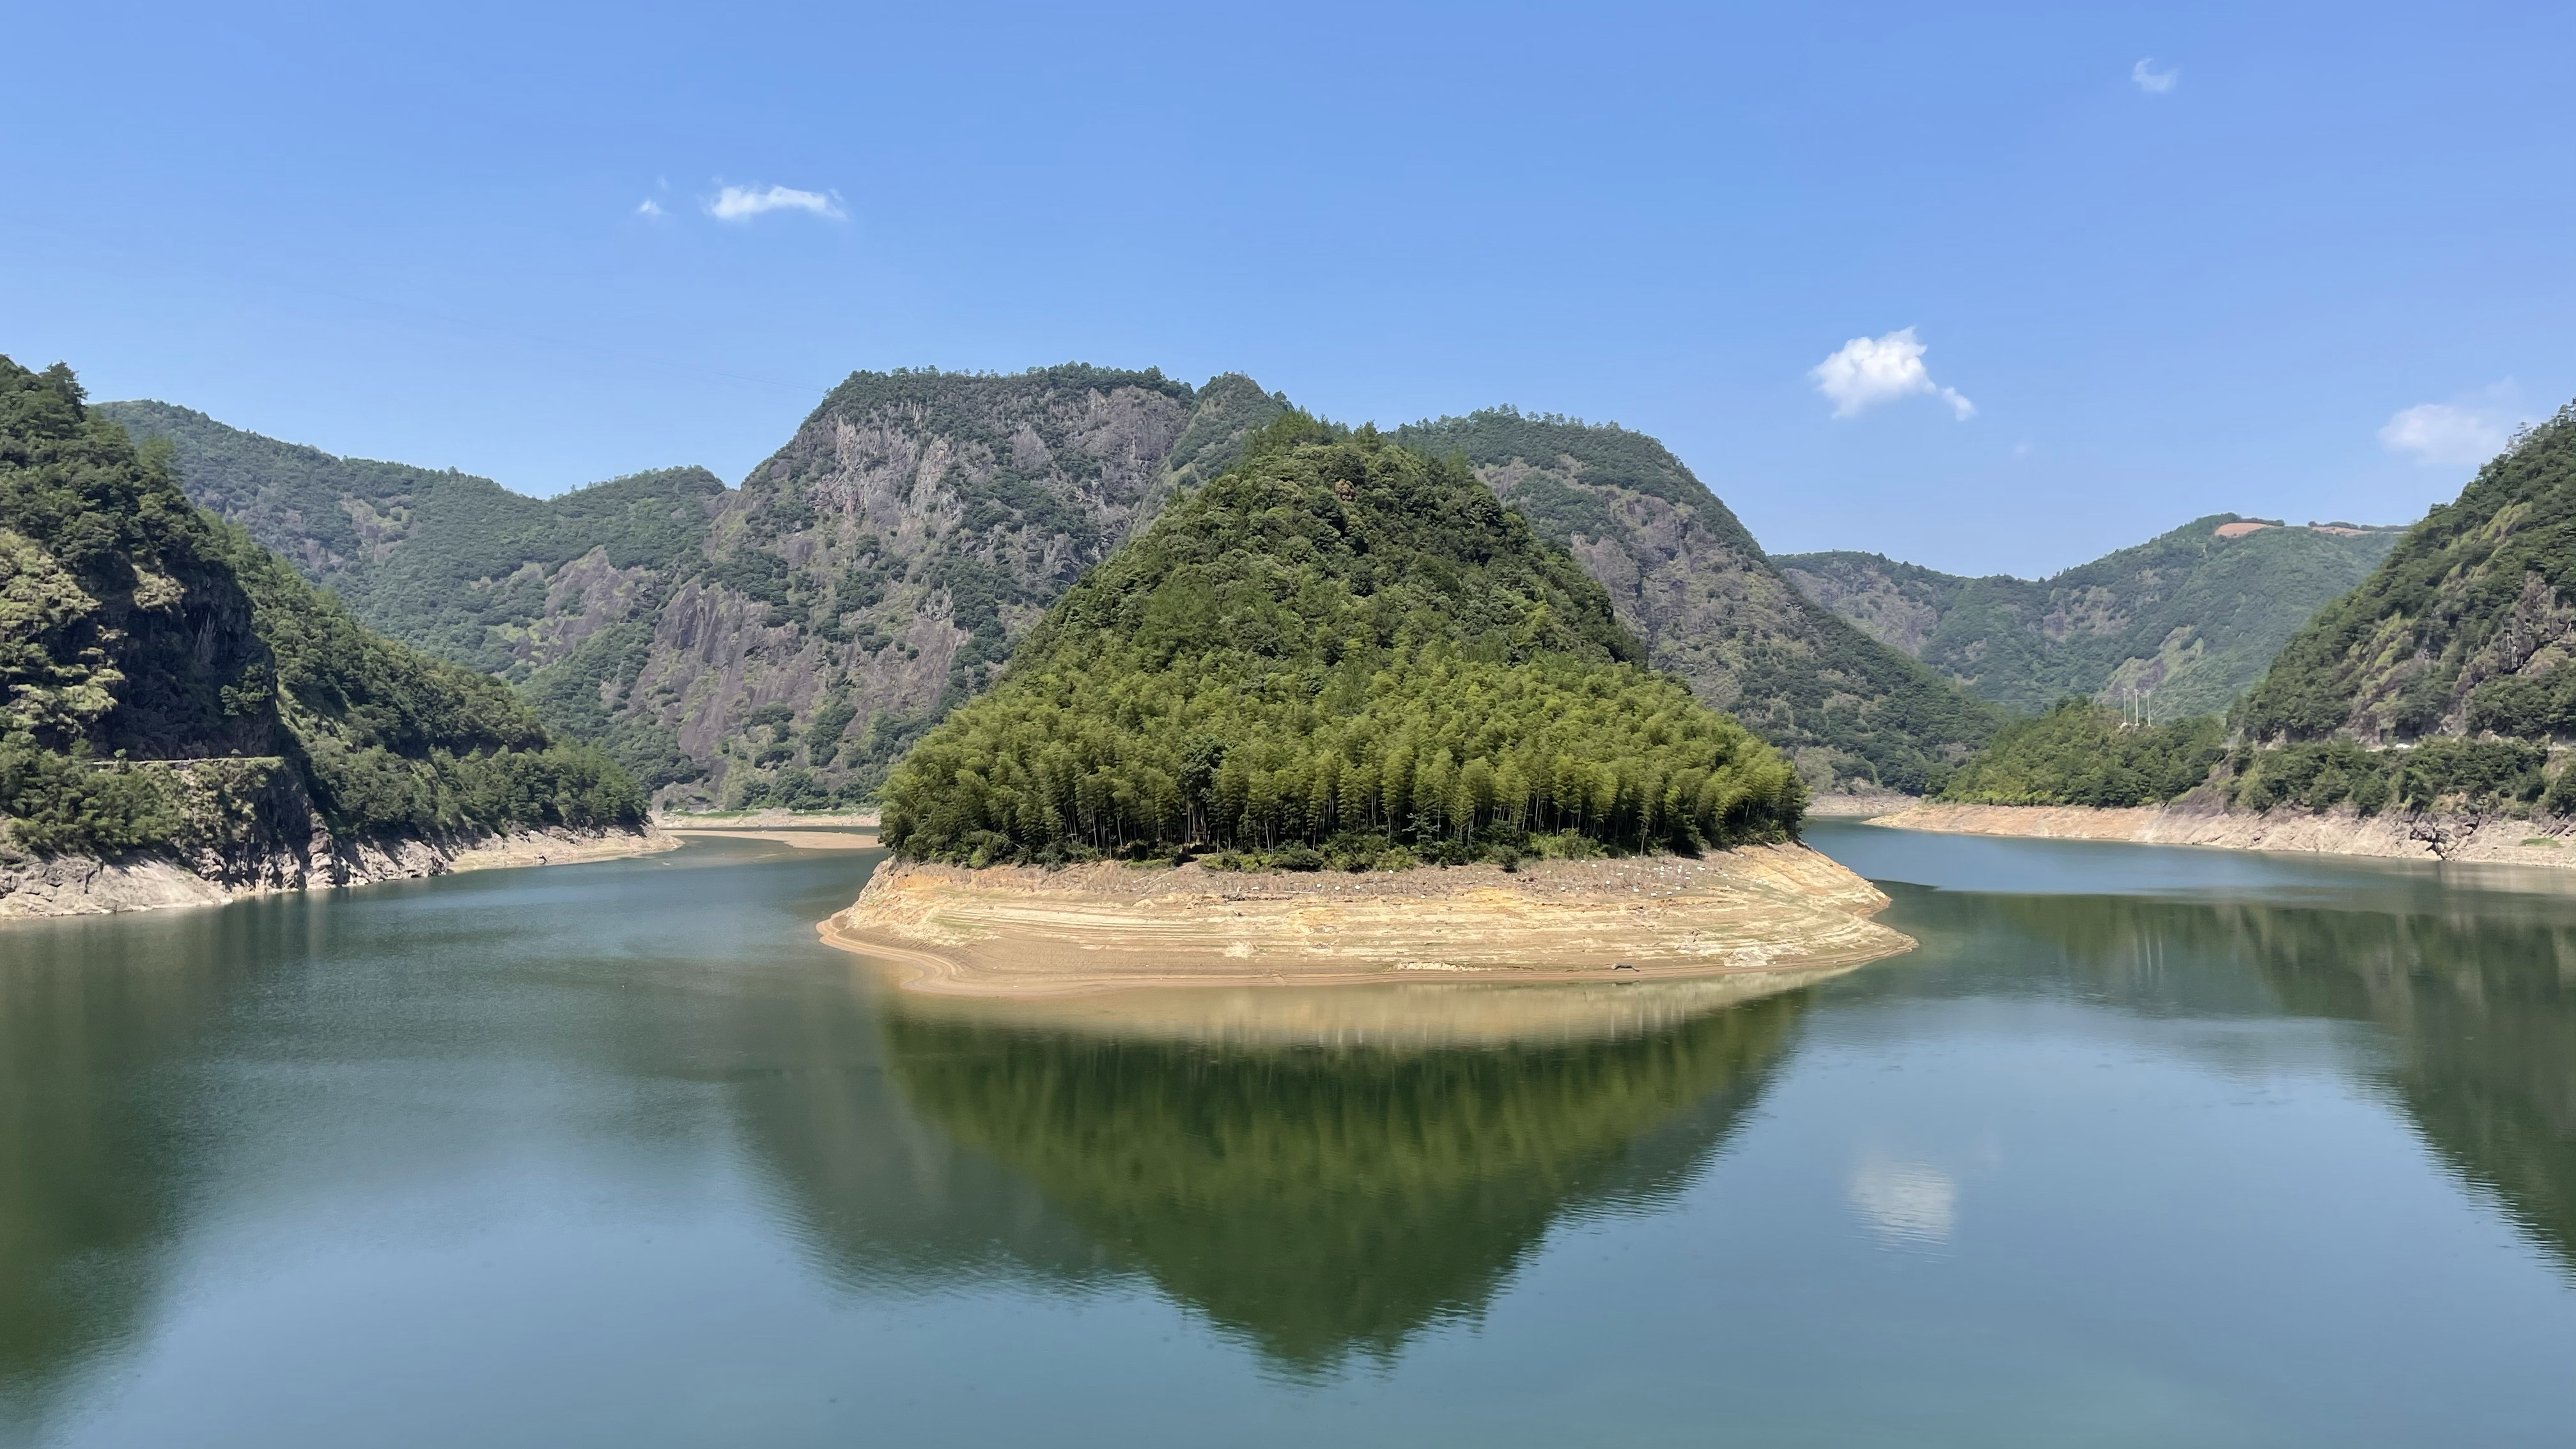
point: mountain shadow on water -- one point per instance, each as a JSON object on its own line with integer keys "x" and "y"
{"x": 1321, "y": 1204}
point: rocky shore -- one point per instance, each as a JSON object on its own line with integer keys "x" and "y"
{"x": 1023, "y": 931}
{"x": 81, "y": 885}
{"x": 2391, "y": 834}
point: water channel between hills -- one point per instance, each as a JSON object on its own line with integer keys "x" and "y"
{"x": 2142, "y": 1147}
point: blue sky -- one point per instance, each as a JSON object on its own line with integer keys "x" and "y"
{"x": 2293, "y": 261}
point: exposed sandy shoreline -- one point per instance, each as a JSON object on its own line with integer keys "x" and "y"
{"x": 79, "y": 885}
{"x": 1847, "y": 807}
{"x": 800, "y": 839}
{"x": 759, "y": 819}
{"x": 1782, "y": 911}
{"x": 2188, "y": 823}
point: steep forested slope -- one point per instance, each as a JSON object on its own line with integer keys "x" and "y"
{"x": 169, "y": 683}
{"x": 1339, "y": 644}
{"x": 777, "y": 644}
{"x": 1686, "y": 577}
{"x": 2182, "y": 623}
{"x": 2466, "y": 628}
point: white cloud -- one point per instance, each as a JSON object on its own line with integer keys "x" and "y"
{"x": 742, "y": 203}
{"x": 1868, "y": 371}
{"x": 649, "y": 207}
{"x": 2447, "y": 435}
{"x": 2154, "y": 82}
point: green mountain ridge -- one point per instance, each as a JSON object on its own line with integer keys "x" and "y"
{"x": 1340, "y": 644}
{"x": 2464, "y": 630}
{"x": 784, "y": 642}
{"x": 170, "y": 685}
{"x": 776, "y": 644}
{"x": 1685, "y": 577}
{"x": 2177, "y": 626}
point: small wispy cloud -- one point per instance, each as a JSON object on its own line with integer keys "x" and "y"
{"x": 649, "y": 207}
{"x": 1868, "y": 371}
{"x": 2153, "y": 81}
{"x": 2453, "y": 434}
{"x": 742, "y": 203}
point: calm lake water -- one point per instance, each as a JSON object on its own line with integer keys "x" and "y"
{"x": 2143, "y": 1147}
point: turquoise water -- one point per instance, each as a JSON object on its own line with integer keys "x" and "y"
{"x": 2143, "y": 1147}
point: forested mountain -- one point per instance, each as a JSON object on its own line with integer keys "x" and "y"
{"x": 2180, "y": 624}
{"x": 777, "y": 644}
{"x": 784, "y": 642}
{"x": 1686, "y": 577}
{"x": 2465, "y": 629}
{"x": 1345, "y": 652}
{"x": 165, "y": 682}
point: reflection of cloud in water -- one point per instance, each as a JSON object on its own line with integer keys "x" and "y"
{"x": 1907, "y": 1204}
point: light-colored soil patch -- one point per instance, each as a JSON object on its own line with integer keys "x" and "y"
{"x": 560, "y": 847}
{"x": 1860, "y": 807}
{"x": 1022, "y": 931}
{"x": 800, "y": 839}
{"x": 761, "y": 819}
{"x": 76, "y": 885}
{"x": 2388, "y": 835}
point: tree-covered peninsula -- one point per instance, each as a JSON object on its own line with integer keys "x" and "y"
{"x": 1340, "y": 652}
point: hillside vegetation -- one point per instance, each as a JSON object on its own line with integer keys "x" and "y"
{"x": 2082, "y": 754}
{"x": 1340, "y": 652}
{"x": 1685, "y": 576}
{"x": 779, "y": 644}
{"x": 166, "y": 679}
{"x": 2180, "y": 625}
{"x": 2466, "y": 629}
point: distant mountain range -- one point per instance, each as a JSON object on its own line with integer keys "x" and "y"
{"x": 784, "y": 642}
{"x": 2177, "y": 626}
{"x": 780, "y": 643}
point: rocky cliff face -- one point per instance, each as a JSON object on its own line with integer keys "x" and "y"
{"x": 1686, "y": 578}
{"x": 776, "y": 644}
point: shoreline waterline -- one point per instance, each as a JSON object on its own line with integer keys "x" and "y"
{"x": 1774, "y": 910}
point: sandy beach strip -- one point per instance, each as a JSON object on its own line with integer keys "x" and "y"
{"x": 799, "y": 839}
{"x": 1022, "y": 931}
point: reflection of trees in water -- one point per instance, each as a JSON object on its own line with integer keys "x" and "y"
{"x": 1322, "y": 1201}
{"x": 2478, "y": 1002}
{"x": 95, "y": 1019}
{"x": 879, "y": 1198}
{"x": 2482, "y": 1010}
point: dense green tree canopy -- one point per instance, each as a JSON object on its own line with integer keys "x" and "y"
{"x": 135, "y": 628}
{"x": 2082, "y": 754}
{"x": 1339, "y": 644}
{"x": 2465, "y": 627}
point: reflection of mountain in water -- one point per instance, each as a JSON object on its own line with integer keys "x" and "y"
{"x": 2482, "y": 1012}
{"x": 2476, "y": 991}
{"x": 93, "y": 1173}
{"x": 1321, "y": 1201}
